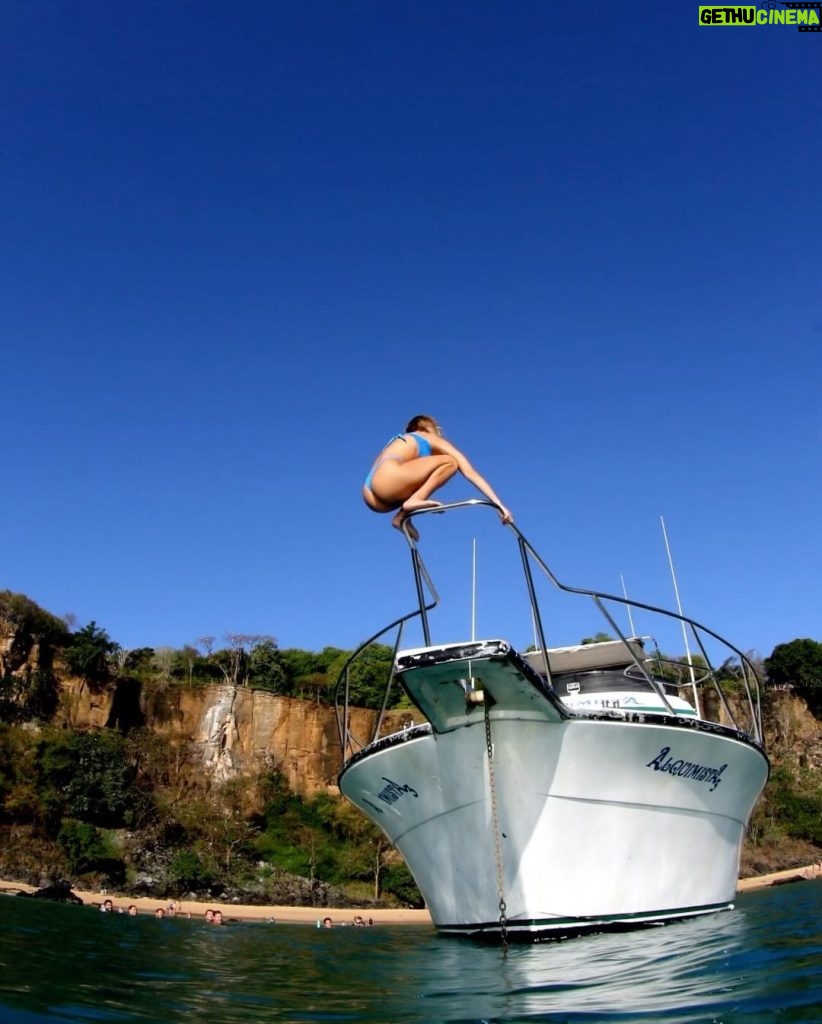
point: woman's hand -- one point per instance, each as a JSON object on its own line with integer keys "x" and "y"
{"x": 505, "y": 515}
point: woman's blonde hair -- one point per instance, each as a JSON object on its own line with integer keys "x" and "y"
{"x": 423, "y": 422}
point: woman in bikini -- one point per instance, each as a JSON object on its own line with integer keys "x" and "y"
{"x": 412, "y": 466}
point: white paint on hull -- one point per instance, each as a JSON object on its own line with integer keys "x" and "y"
{"x": 599, "y": 819}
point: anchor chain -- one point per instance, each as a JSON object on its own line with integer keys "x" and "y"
{"x": 503, "y": 920}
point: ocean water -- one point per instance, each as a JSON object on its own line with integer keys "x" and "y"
{"x": 759, "y": 963}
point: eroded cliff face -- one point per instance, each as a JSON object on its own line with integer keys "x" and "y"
{"x": 792, "y": 731}
{"x": 229, "y": 732}
{"x": 18, "y": 655}
{"x": 225, "y": 732}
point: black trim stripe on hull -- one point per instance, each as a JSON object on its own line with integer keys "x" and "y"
{"x": 560, "y": 927}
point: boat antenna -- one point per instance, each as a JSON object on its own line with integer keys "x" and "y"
{"x": 627, "y": 606}
{"x": 679, "y": 609}
{"x": 474, "y": 589}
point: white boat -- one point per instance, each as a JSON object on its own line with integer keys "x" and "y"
{"x": 567, "y": 789}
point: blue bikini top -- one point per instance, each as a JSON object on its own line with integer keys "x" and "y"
{"x": 423, "y": 444}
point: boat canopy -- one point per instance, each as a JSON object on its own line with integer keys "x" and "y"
{"x": 588, "y": 657}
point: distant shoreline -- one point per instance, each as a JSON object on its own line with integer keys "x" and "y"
{"x": 780, "y": 877}
{"x": 240, "y": 911}
{"x": 311, "y": 915}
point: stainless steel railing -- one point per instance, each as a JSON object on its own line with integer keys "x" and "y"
{"x": 736, "y": 670}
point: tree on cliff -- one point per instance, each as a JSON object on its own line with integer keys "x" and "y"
{"x": 89, "y": 653}
{"x": 265, "y": 667}
{"x": 235, "y": 660}
{"x": 368, "y": 676}
{"x": 798, "y": 664}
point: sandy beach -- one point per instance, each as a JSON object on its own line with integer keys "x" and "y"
{"x": 781, "y": 877}
{"x": 310, "y": 915}
{"x": 239, "y": 911}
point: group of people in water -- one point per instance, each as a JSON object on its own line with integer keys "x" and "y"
{"x": 107, "y": 907}
{"x": 171, "y": 910}
{"x": 358, "y": 922}
{"x": 215, "y": 916}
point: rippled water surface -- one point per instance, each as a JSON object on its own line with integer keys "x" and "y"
{"x": 759, "y": 963}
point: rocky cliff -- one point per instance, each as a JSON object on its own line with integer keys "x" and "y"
{"x": 221, "y": 731}
{"x": 792, "y": 732}
{"x": 228, "y": 731}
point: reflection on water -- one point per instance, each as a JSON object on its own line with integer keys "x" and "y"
{"x": 759, "y": 963}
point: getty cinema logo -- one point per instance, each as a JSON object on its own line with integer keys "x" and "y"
{"x": 805, "y": 16}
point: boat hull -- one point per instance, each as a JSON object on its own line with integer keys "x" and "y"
{"x": 574, "y": 824}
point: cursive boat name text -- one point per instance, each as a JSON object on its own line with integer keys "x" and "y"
{"x": 391, "y": 792}
{"x": 686, "y": 769}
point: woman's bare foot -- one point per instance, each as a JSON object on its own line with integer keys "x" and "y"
{"x": 413, "y": 504}
{"x": 399, "y": 520}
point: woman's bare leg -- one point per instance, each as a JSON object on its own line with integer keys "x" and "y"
{"x": 394, "y": 482}
{"x": 421, "y": 497}
{"x": 409, "y": 485}
{"x": 424, "y": 485}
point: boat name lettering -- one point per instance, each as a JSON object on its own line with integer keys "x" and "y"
{"x": 391, "y": 793}
{"x": 686, "y": 769}
{"x": 597, "y": 702}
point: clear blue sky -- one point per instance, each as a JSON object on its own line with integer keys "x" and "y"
{"x": 243, "y": 243}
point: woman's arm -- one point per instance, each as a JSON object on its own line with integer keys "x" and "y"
{"x": 440, "y": 445}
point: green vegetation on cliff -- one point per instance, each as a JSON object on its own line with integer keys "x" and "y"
{"x": 105, "y": 809}
{"x": 798, "y": 666}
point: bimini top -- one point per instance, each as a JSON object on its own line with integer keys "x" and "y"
{"x": 588, "y": 657}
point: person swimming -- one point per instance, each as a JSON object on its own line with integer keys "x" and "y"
{"x": 412, "y": 466}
